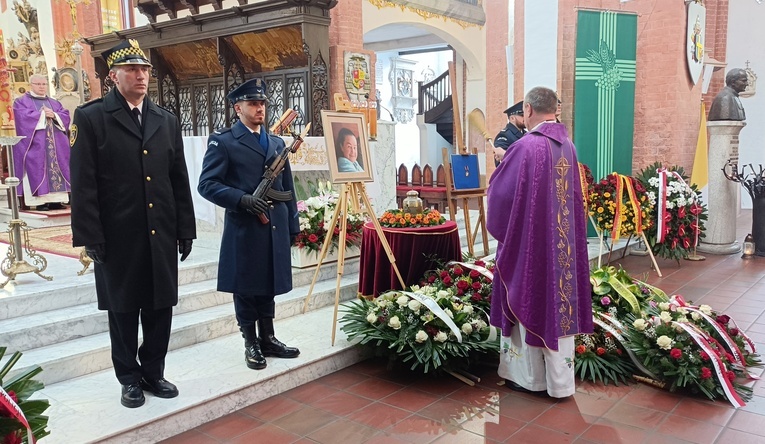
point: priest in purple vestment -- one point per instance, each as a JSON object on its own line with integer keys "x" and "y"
{"x": 41, "y": 159}
{"x": 541, "y": 296}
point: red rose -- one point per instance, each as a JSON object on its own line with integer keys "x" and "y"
{"x": 444, "y": 274}
{"x": 704, "y": 356}
{"x": 723, "y": 319}
{"x": 676, "y": 353}
{"x": 457, "y": 270}
{"x": 313, "y": 238}
{"x": 474, "y": 274}
{"x": 600, "y": 351}
{"x": 706, "y": 373}
{"x": 476, "y": 297}
{"x": 733, "y": 332}
{"x": 476, "y": 285}
{"x": 462, "y": 285}
{"x": 447, "y": 281}
{"x": 681, "y": 212}
{"x": 431, "y": 278}
{"x": 460, "y": 292}
{"x": 337, "y": 230}
{"x": 480, "y": 263}
{"x": 580, "y": 349}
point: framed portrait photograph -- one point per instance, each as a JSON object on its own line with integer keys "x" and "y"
{"x": 347, "y": 147}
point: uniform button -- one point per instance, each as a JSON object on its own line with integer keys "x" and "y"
{"x": 272, "y": 207}
{"x": 148, "y": 178}
{"x": 274, "y": 227}
{"x": 151, "y": 205}
{"x": 153, "y": 232}
{"x": 145, "y": 152}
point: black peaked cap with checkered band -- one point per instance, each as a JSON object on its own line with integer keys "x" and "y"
{"x": 126, "y": 53}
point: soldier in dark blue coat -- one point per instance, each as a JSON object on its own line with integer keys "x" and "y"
{"x": 255, "y": 263}
{"x": 511, "y": 133}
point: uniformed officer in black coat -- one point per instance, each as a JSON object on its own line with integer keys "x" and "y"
{"x": 132, "y": 211}
{"x": 255, "y": 263}
{"x": 514, "y": 130}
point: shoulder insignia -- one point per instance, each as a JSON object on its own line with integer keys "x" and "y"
{"x": 222, "y": 130}
{"x": 87, "y": 104}
{"x": 72, "y": 134}
{"x": 212, "y": 142}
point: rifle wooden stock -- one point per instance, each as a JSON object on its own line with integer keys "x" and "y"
{"x": 284, "y": 121}
{"x": 276, "y": 167}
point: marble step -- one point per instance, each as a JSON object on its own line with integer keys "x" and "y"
{"x": 86, "y": 352}
{"x": 37, "y": 219}
{"x": 212, "y": 379}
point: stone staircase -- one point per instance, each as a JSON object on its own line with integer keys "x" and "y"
{"x": 58, "y": 326}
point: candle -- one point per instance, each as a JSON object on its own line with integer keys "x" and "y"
{"x": 372, "y": 122}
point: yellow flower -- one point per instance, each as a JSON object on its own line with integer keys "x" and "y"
{"x": 606, "y": 194}
{"x": 600, "y": 209}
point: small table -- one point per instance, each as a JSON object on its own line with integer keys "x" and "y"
{"x": 412, "y": 248}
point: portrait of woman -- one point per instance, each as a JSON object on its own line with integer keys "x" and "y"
{"x": 347, "y": 151}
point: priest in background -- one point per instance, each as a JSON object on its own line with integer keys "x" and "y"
{"x": 541, "y": 296}
{"x": 41, "y": 159}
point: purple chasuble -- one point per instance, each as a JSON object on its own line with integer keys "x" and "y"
{"x": 44, "y": 154}
{"x": 536, "y": 212}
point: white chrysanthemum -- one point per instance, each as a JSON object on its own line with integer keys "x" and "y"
{"x": 441, "y": 337}
{"x": 467, "y": 328}
{"x": 414, "y": 305}
{"x": 654, "y": 181}
{"x": 664, "y": 342}
{"x": 394, "y": 323}
{"x": 421, "y": 336}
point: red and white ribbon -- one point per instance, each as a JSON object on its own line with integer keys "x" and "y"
{"x": 700, "y": 338}
{"x": 10, "y": 405}
{"x": 603, "y": 323}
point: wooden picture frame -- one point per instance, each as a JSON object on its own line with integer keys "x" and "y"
{"x": 343, "y": 125}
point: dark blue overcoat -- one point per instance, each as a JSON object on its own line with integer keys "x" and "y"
{"x": 254, "y": 258}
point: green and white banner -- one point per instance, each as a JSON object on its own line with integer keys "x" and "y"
{"x": 604, "y": 91}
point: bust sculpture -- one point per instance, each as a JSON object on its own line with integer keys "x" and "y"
{"x": 727, "y": 104}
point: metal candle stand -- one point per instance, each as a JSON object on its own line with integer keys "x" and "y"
{"x": 14, "y": 264}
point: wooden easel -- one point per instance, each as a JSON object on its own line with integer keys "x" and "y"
{"x": 349, "y": 198}
{"x": 453, "y": 196}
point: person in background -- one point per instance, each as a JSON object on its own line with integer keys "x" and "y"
{"x": 347, "y": 150}
{"x": 541, "y": 294}
{"x": 511, "y": 133}
{"x": 41, "y": 159}
{"x": 255, "y": 261}
{"x": 133, "y": 213}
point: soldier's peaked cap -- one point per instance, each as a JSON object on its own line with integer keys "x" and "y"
{"x": 516, "y": 109}
{"x": 126, "y": 53}
{"x": 253, "y": 89}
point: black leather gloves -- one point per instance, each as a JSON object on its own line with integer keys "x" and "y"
{"x": 184, "y": 248}
{"x": 96, "y": 252}
{"x": 253, "y": 205}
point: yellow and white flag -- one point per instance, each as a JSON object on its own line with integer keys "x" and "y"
{"x": 700, "y": 174}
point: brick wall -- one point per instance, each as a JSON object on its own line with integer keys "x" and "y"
{"x": 666, "y": 101}
{"x": 88, "y": 24}
{"x": 519, "y": 39}
{"x": 716, "y": 43}
{"x": 496, "y": 72}
{"x": 346, "y": 33}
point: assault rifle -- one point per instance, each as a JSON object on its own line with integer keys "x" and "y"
{"x": 264, "y": 190}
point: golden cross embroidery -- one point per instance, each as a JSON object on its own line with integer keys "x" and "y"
{"x": 562, "y": 166}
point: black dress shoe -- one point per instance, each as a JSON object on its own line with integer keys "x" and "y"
{"x": 275, "y": 348}
{"x": 55, "y": 206}
{"x": 517, "y": 388}
{"x": 132, "y": 396}
{"x": 161, "y": 388}
{"x": 43, "y": 207}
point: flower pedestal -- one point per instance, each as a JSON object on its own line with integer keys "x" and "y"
{"x": 304, "y": 257}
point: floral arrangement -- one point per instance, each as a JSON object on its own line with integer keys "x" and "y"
{"x": 20, "y": 388}
{"x": 470, "y": 280}
{"x": 619, "y": 204}
{"x": 315, "y": 215}
{"x": 602, "y": 356}
{"x": 683, "y": 216}
{"x": 427, "y": 328}
{"x": 670, "y": 340}
{"x": 400, "y": 219}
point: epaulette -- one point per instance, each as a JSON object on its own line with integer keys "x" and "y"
{"x": 221, "y": 131}
{"x": 96, "y": 100}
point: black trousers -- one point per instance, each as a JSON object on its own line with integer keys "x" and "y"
{"x": 123, "y": 331}
{"x": 250, "y": 308}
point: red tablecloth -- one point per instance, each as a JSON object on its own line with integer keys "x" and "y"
{"x": 412, "y": 248}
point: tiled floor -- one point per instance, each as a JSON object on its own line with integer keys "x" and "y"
{"x": 366, "y": 403}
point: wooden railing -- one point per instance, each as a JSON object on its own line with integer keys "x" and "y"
{"x": 434, "y": 92}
